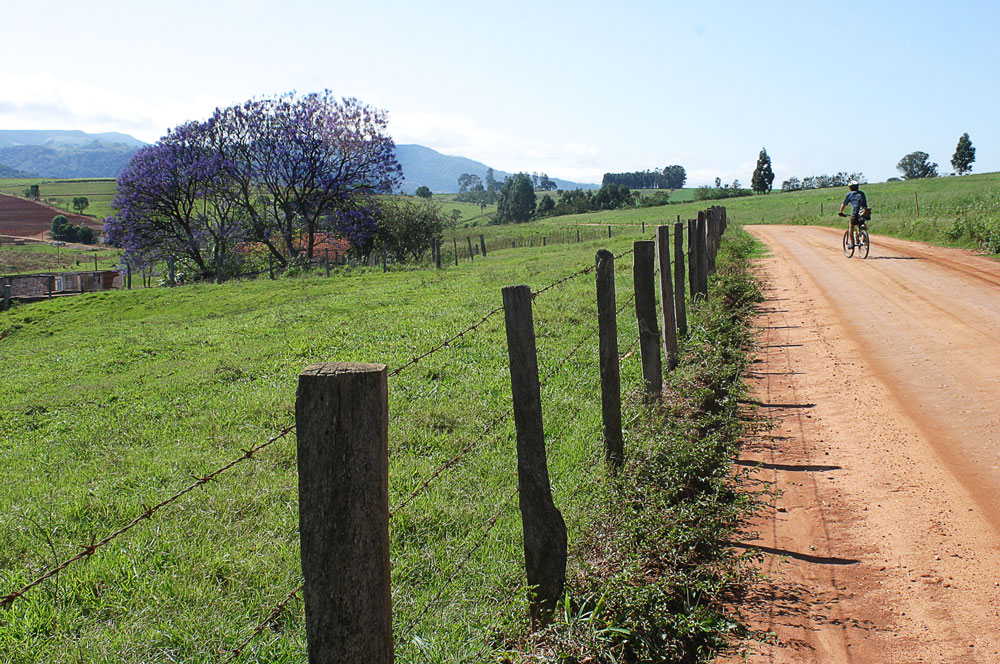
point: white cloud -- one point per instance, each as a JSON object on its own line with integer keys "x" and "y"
{"x": 43, "y": 101}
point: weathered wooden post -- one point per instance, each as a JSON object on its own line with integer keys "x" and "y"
{"x": 578, "y": 235}
{"x": 666, "y": 296}
{"x": 680, "y": 308}
{"x": 342, "y": 423}
{"x": 544, "y": 528}
{"x": 482, "y": 244}
{"x": 692, "y": 243}
{"x": 643, "y": 226}
{"x": 469, "y": 239}
{"x": 454, "y": 241}
{"x": 702, "y": 240}
{"x": 609, "y": 232}
{"x": 128, "y": 276}
{"x": 611, "y": 393}
{"x": 644, "y": 283}
{"x": 544, "y": 240}
{"x": 172, "y": 273}
{"x": 710, "y": 227}
{"x": 6, "y": 295}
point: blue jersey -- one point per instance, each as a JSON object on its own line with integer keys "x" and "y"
{"x": 857, "y": 199}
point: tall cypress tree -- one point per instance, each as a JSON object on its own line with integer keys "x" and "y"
{"x": 965, "y": 154}
{"x": 763, "y": 176}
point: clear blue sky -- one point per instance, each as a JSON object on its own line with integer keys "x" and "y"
{"x": 572, "y": 89}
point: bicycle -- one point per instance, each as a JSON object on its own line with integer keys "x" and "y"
{"x": 860, "y": 240}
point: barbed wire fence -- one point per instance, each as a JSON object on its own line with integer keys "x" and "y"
{"x": 277, "y": 610}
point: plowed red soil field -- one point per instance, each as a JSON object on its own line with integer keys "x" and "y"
{"x": 883, "y": 375}
{"x": 21, "y": 218}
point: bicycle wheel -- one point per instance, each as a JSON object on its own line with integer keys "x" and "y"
{"x": 863, "y": 244}
{"x": 848, "y": 248}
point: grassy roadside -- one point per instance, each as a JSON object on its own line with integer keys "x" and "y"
{"x": 654, "y": 584}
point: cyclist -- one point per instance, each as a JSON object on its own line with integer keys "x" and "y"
{"x": 859, "y": 201}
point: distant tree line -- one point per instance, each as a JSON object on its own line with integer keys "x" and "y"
{"x": 841, "y": 179}
{"x": 671, "y": 177}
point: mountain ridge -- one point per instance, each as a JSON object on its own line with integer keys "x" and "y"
{"x": 71, "y": 153}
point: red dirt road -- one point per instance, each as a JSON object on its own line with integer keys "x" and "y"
{"x": 884, "y": 543}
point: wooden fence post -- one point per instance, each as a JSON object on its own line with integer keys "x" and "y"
{"x": 469, "y": 239}
{"x": 680, "y": 309}
{"x": 667, "y": 296}
{"x": 437, "y": 253}
{"x": 342, "y": 423}
{"x": 544, "y": 528}
{"x": 173, "y": 274}
{"x": 916, "y": 204}
{"x": 482, "y": 244}
{"x": 644, "y": 283}
{"x": 692, "y": 243}
{"x": 128, "y": 276}
{"x": 611, "y": 384}
{"x": 454, "y": 241}
{"x": 578, "y": 235}
{"x": 710, "y": 228}
{"x": 609, "y": 232}
{"x": 6, "y": 295}
{"x": 702, "y": 239}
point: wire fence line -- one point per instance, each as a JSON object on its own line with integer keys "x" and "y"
{"x": 416, "y": 620}
{"x": 492, "y": 312}
{"x": 147, "y": 514}
{"x": 276, "y": 611}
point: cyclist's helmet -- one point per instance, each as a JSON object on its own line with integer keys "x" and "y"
{"x": 853, "y": 184}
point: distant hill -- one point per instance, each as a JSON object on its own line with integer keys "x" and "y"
{"x": 66, "y": 154}
{"x": 439, "y": 172}
{"x": 8, "y": 172}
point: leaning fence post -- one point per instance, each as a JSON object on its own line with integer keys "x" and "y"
{"x": 482, "y": 244}
{"x": 680, "y": 309}
{"x": 611, "y": 394}
{"x": 341, "y": 420}
{"x": 644, "y": 283}
{"x": 544, "y": 528}
{"x": 667, "y": 296}
{"x": 469, "y": 239}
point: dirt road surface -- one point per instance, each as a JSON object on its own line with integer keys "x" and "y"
{"x": 884, "y": 543}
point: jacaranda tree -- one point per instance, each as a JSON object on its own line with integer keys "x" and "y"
{"x": 285, "y": 172}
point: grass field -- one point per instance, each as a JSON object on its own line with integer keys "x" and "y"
{"x": 115, "y": 399}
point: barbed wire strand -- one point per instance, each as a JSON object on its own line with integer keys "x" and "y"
{"x": 90, "y": 549}
{"x": 452, "y": 461}
{"x": 446, "y": 342}
{"x": 416, "y": 620}
{"x": 490, "y": 314}
{"x": 278, "y": 609}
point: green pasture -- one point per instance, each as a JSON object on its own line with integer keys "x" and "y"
{"x": 117, "y": 399}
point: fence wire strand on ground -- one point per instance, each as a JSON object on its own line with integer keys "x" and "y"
{"x": 90, "y": 549}
{"x": 278, "y": 609}
{"x": 458, "y": 568}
